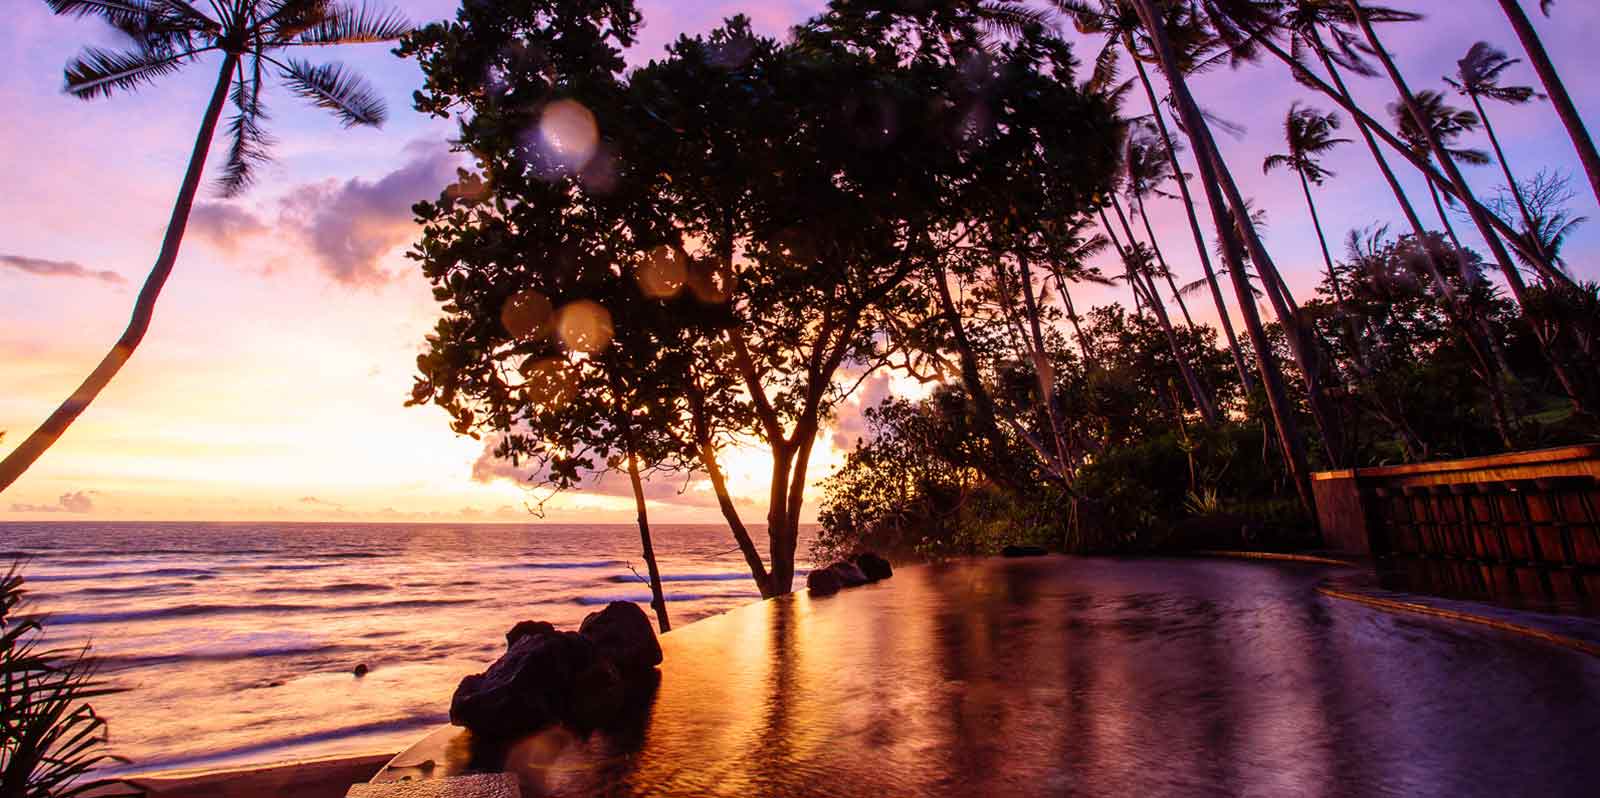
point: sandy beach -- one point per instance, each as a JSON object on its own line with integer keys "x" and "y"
{"x": 326, "y": 778}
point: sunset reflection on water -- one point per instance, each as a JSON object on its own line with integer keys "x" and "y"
{"x": 1081, "y": 677}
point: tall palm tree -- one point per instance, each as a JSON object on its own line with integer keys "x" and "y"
{"x": 1147, "y": 166}
{"x": 1478, "y": 76}
{"x": 1481, "y": 217}
{"x": 1555, "y": 87}
{"x": 1212, "y": 172}
{"x": 1309, "y": 134}
{"x": 1120, "y": 24}
{"x": 1447, "y": 124}
{"x": 253, "y": 38}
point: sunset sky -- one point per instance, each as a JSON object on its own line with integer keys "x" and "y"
{"x": 272, "y": 382}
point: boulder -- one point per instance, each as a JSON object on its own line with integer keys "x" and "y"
{"x": 1023, "y": 551}
{"x": 849, "y": 575}
{"x": 526, "y": 628}
{"x": 876, "y": 568}
{"x": 542, "y": 678}
{"x": 361, "y": 670}
{"x": 822, "y": 582}
{"x": 624, "y": 634}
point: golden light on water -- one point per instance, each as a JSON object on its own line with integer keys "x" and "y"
{"x": 568, "y": 134}
{"x": 527, "y": 314}
{"x": 584, "y": 326}
{"x": 662, "y": 276}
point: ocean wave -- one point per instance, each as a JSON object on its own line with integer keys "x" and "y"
{"x": 720, "y": 577}
{"x": 200, "y": 610}
{"x": 306, "y": 566}
{"x": 117, "y": 662}
{"x": 280, "y": 744}
{"x": 645, "y": 598}
{"x": 337, "y": 587}
{"x": 192, "y": 573}
{"x": 518, "y": 566}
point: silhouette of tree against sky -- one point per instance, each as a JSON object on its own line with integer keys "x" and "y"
{"x": 252, "y": 37}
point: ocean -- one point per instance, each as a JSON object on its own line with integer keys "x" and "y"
{"x": 235, "y": 644}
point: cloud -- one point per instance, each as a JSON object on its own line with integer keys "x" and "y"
{"x": 667, "y": 488}
{"x": 317, "y": 501}
{"x": 75, "y": 502}
{"x": 225, "y": 226}
{"x": 58, "y": 268}
{"x": 350, "y": 226}
{"x": 849, "y": 423}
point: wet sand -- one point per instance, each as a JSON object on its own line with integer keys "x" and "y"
{"x": 328, "y": 778}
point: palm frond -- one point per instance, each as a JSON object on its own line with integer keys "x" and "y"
{"x": 100, "y": 73}
{"x": 116, "y": 12}
{"x": 249, "y": 143}
{"x": 332, "y": 87}
{"x": 354, "y": 25}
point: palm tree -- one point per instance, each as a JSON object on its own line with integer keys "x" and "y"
{"x": 1146, "y": 166}
{"x": 1310, "y": 135}
{"x": 1480, "y": 215}
{"x": 1478, "y": 76}
{"x": 1211, "y": 169}
{"x": 1555, "y": 87}
{"x": 1447, "y": 123}
{"x": 251, "y": 36}
{"x": 1118, "y": 22}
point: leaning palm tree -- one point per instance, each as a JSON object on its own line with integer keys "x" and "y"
{"x": 1309, "y": 134}
{"x": 1447, "y": 124}
{"x": 1478, "y": 76}
{"x": 1555, "y": 87}
{"x": 1146, "y": 166}
{"x": 252, "y": 37}
{"x": 1482, "y": 219}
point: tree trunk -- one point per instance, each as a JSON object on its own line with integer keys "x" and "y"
{"x": 1090, "y": 359}
{"x": 972, "y": 379}
{"x": 1345, "y": 101}
{"x": 1444, "y": 218}
{"x": 1197, "y": 389}
{"x": 719, "y": 486}
{"x": 1194, "y": 223}
{"x": 1042, "y": 369}
{"x": 658, "y": 600}
{"x": 1161, "y": 260}
{"x": 1534, "y": 239}
{"x": 1557, "y": 89}
{"x": 1271, "y": 378}
{"x": 1480, "y": 215}
{"x": 1322, "y": 238}
{"x": 144, "y": 307}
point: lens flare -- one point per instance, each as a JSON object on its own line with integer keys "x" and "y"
{"x": 584, "y": 326}
{"x": 663, "y": 274}
{"x": 527, "y": 314}
{"x": 568, "y": 134}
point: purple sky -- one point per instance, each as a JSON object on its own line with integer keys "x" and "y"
{"x": 271, "y": 382}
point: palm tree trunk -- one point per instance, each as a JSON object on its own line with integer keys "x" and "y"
{"x": 1161, "y": 260}
{"x": 1294, "y": 456}
{"x": 1345, "y": 101}
{"x": 1197, "y": 389}
{"x": 982, "y": 403}
{"x": 1557, "y": 89}
{"x": 1090, "y": 359}
{"x": 1322, "y": 238}
{"x": 658, "y": 600}
{"x": 1122, "y": 254}
{"x": 1479, "y": 214}
{"x": 1444, "y": 218}
{"x": 144, "y": 307}
{"x": 1533, "y": 237}
{"x": 1194, "y": 225}
{"x": 1042, "y": 369}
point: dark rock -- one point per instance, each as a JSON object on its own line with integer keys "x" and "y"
{"x": 528, "y": 628}
{"x": 873, "y": 566}
{"x": 822, "y": 582}
{"x": 1023, "y": 551}
{"x": 849, "y": 575}
{"x": 542, "y": 678}
{"x": 623, "y": 633}
{"x": 361, "y": 670}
